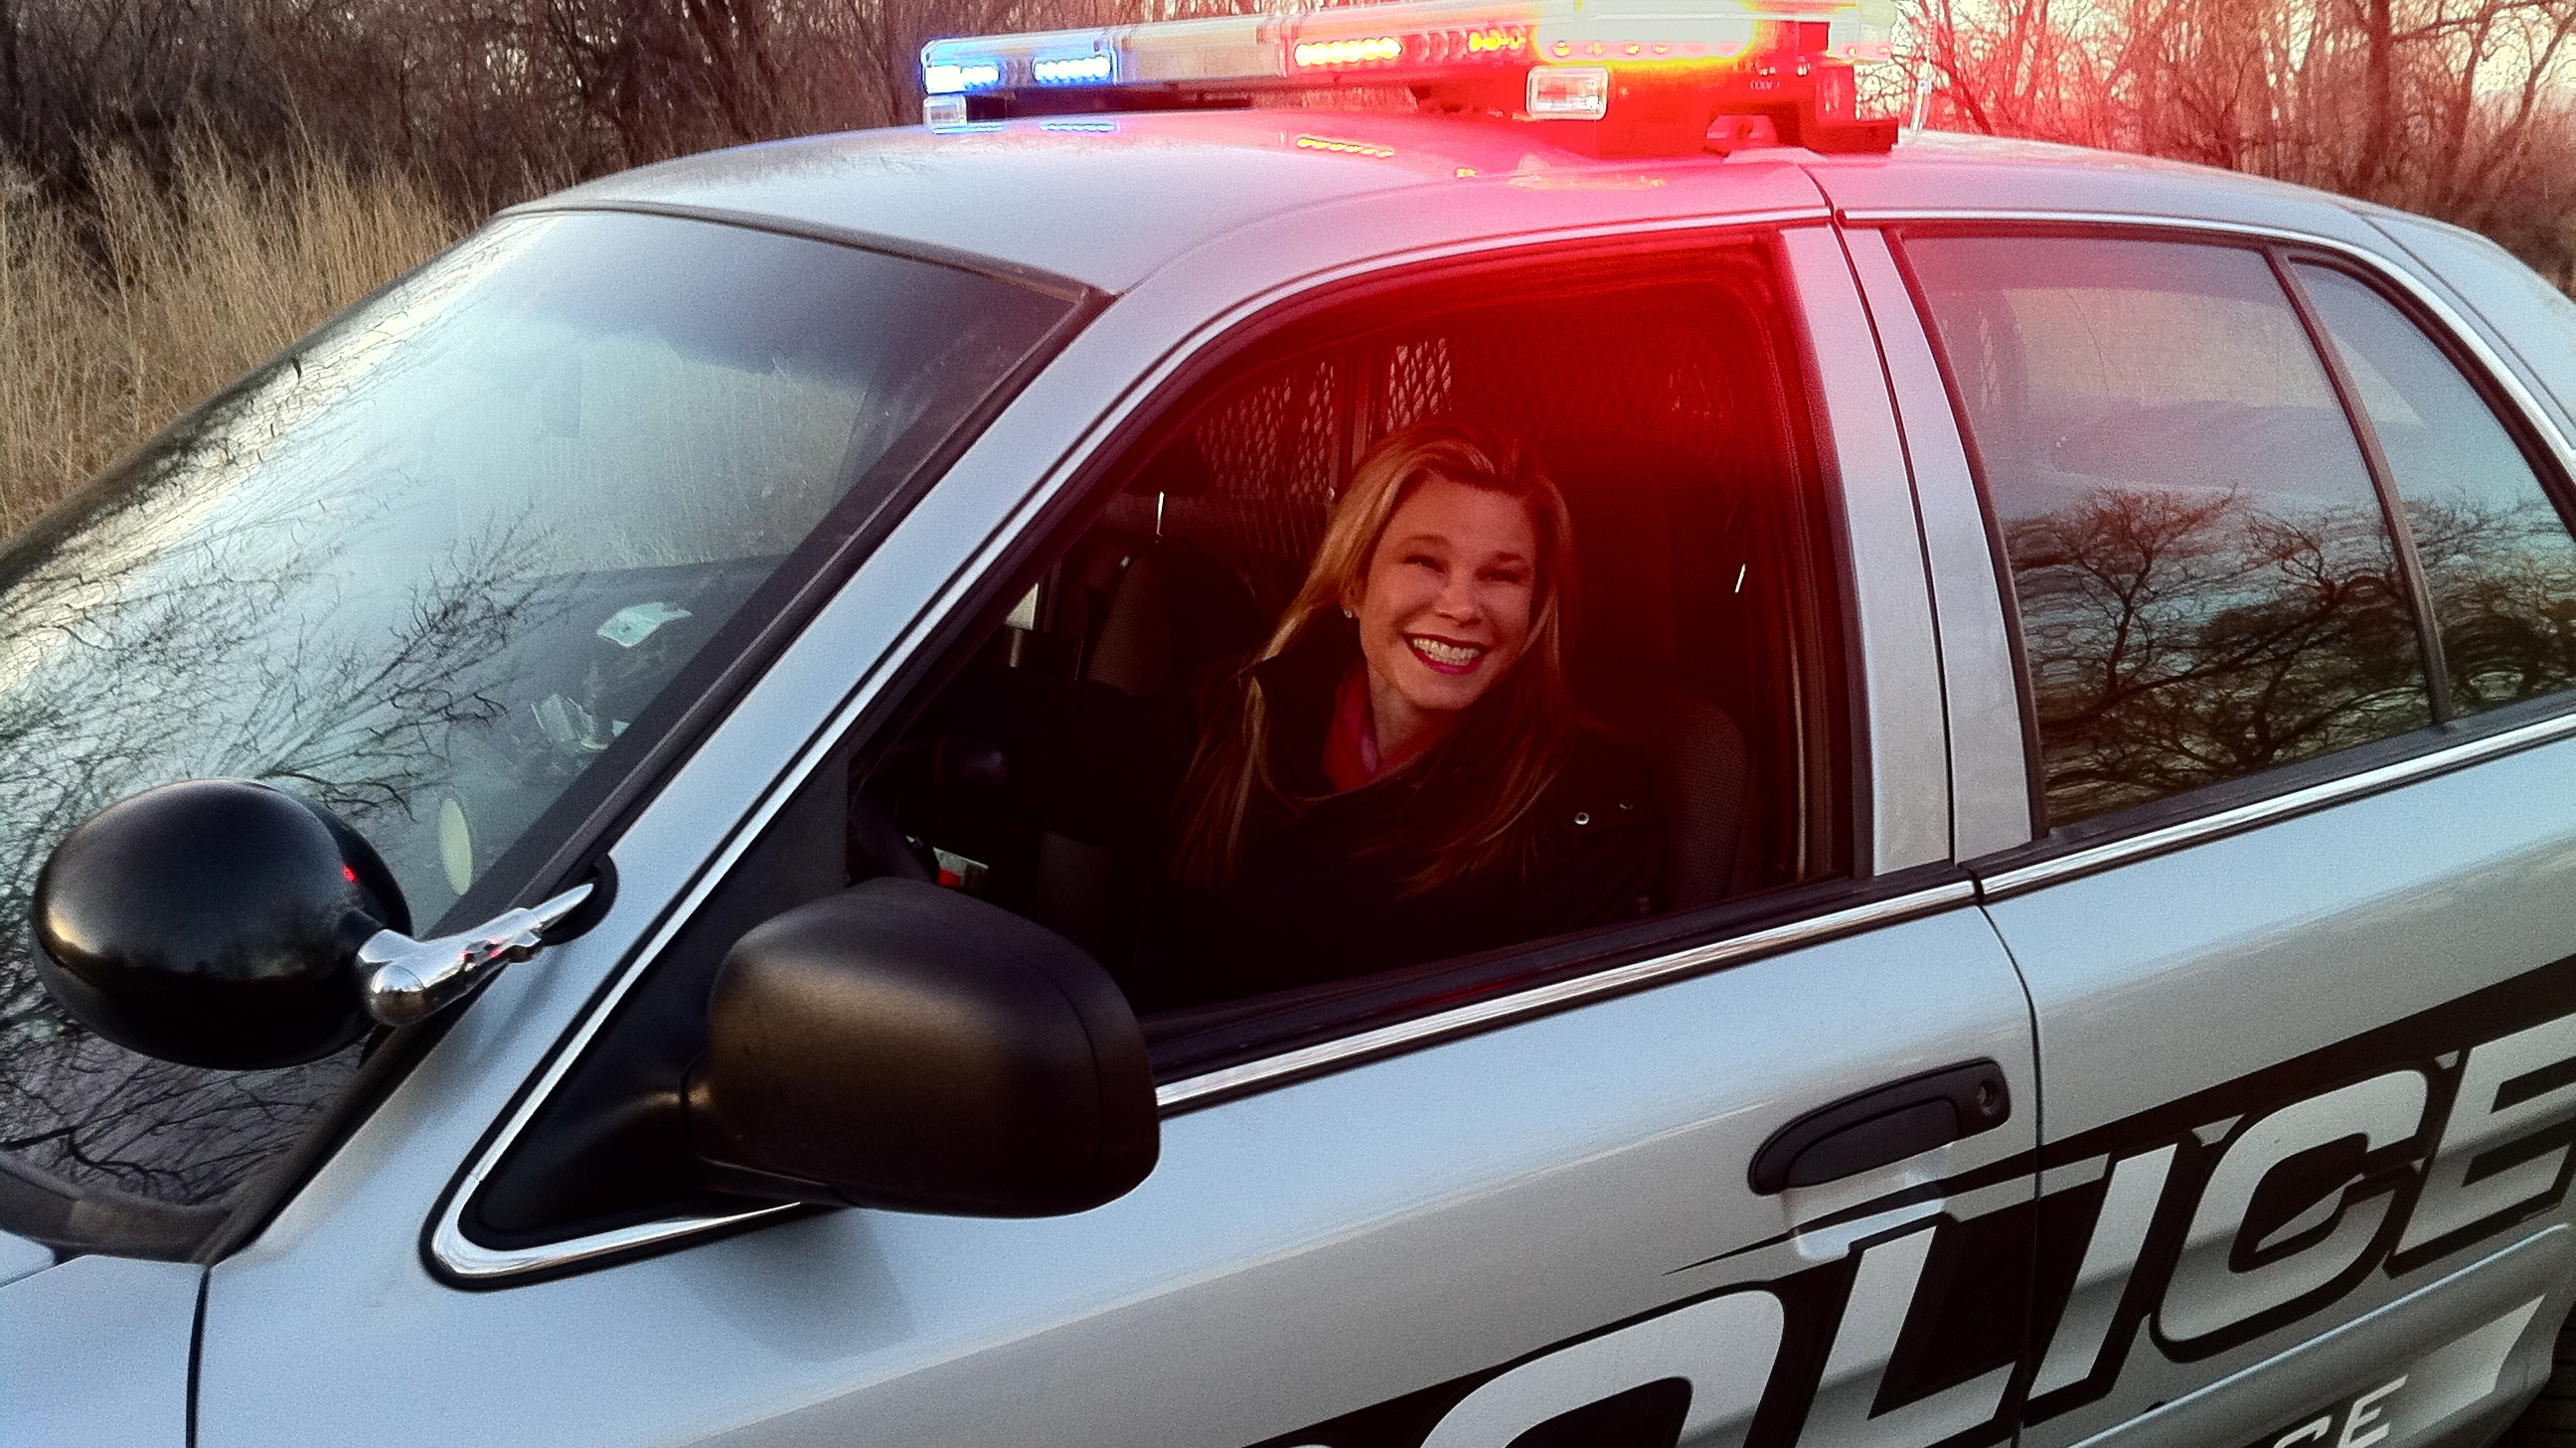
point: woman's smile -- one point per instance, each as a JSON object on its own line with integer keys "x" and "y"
{"x": 1445, "y": 607}
{"x": 1449, "y": 656}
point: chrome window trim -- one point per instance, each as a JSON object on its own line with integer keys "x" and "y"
{"x": 2085, "y": 861}
{"x": 1388, "y": 1040}
{"x": 469, "y": 1262}
{"x": 473, "y": 1261}
{"x": 2390, "y": 272}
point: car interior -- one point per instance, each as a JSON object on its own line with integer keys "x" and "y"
{"x": 1665, "y": 414}
{"x": 1666, "y": 404}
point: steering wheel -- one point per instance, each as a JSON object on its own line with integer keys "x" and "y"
{"x": 878, "y": 846}
{"x": 915, "y": 780}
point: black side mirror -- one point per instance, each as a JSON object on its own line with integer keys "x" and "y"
{"x": 224, "y": 923}
{"x": 899, "y": 1045}
{"x": 214, "y": 923}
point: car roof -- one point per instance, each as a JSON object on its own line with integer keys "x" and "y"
{"x": 1108, "y": 200}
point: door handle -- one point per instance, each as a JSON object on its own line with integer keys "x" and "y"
{"x": 1889, "y": 1124}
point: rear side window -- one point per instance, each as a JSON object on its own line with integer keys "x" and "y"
{"x": 2207, "y": 583}
{"x": 2498, "y": 563}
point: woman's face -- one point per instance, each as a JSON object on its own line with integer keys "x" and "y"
{"x": 1444, "y": 609}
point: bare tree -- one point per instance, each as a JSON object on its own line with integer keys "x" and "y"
{"x": 2176, "y": 642}
{"x": 2456, "y": 108}
{"x": 499, "y": 99}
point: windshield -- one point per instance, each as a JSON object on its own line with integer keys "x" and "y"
{"x": 433, "y": 569}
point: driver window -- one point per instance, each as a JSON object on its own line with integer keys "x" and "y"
{"x": 1394, "y": 647}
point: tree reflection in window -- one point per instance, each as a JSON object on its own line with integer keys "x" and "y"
{"x": 2178, "y": 641}
{"x": 155, "y": 669}
{"x": 2497, "y": 556}
{"x": 2503, "y": 579}
{"x": 2207, "y": 585}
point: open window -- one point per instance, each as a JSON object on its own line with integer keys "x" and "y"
{"x": 1661, "y": 397}
{"x": 1662, "y": 394}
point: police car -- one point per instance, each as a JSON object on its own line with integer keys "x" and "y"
{"x": 516, "y": 954}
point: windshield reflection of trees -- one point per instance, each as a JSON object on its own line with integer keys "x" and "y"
{"x": 130, "y": 662}
{"x": 427, "y": 570}
{"x": 2177, "y": 640}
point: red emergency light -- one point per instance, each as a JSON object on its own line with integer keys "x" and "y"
{"x": 1608, "y": 77}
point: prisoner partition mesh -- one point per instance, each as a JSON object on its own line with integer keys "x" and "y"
{"x": 1278, "y": 455}
{"x": 1419, "y": 379}
{"x": 1636, "y": 372}
{"x": 1274, "y": 461}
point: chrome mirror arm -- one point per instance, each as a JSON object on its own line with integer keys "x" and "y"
{"x": 406, "y": 980}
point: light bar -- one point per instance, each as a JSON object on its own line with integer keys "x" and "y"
{"x": 1074, "y": 69}
{"x": 1571, "y": 92}
{"x": 951, "y": 78}
{"x": 1681, "y": 57}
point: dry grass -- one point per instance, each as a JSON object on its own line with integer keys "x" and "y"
{"x": 114, "y": 322}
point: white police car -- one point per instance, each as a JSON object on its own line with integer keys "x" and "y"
{"x": 2100, "y": 635}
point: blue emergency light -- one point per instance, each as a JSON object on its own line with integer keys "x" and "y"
{"x": 1611, "y": 77}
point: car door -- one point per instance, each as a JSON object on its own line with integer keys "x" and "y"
{"x": 2284, "y": 555}
{"x": 97, "y": 1349}
{"x": 93, "y": 1349}
{"x": 1759, "y": 1173}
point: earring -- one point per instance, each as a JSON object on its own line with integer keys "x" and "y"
{"x": 1346, "y": 612}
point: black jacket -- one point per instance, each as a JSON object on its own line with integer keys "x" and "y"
{"x": 1310, "y": 901}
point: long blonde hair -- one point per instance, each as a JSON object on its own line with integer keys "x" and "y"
{"x": 1504, "y": 753}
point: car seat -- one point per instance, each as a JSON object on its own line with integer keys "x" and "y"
{"x": 1648, "y": 521}
{"x": 1170, "y": 615}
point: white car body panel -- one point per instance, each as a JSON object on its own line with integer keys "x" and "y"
{"x": 1521, "y": 1185}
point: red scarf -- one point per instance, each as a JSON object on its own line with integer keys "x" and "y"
{"x": 1350, "y": 745}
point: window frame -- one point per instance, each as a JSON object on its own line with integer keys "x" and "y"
{"x": 1065, "y": 493}
{"x": 1562, "y": 971}
{"x": 2251, "y": 801}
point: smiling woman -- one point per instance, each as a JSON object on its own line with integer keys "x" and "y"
{"x": 1397, "y": 774}
{"x": 1444, "y": 614}
{"x": 1450, "y": 561}
{"x": 1310, "y": 708}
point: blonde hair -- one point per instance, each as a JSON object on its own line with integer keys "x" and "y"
{"x": 1512, "y": 741}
